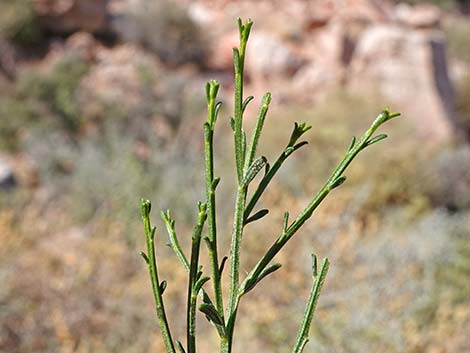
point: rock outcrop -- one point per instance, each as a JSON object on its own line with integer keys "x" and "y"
{"x": 409, "y": 68}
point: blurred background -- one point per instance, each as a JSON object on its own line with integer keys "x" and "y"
{"x": 102, "y": 103}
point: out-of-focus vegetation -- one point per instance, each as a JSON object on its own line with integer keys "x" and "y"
{"x": 19, "y": 23}
{"x": 71, "y": 278}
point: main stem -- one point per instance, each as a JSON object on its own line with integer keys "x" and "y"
{"x": 239, "y": 141}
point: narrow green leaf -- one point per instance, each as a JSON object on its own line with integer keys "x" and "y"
{"x": 236, "y": 61}
{"x": 180, "y": 347}
{"x": 208, "y": 90}
{"x": 232, "y": 124}
{"x": 299, "y": 145}
{"x": 145, "y": 257}
{"x": 254, "y": 169}
{"x": 211, "y": 312}
{"x": 337, "y": 182}
{"x": 215, "y": 182}
{"x": 352, "y": 144}
{"x": 266, "y": 168}
{"x": 376, "y": 139}
{"x": 258, "y": 215}
{"x": 217, "y": 110}
{"x": 285, "y": 222}
{"x": 200, "y": 282}
{"x": 162, "y": 286}
{"x": 314, "y": 265}
{"x": 246, "y": 101}
{"x": 222, "y": 265}
{"x": 267, "y": 271}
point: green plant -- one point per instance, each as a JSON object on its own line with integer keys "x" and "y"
{"x": 247, "y": 169}
{"x": 55, "y": 91}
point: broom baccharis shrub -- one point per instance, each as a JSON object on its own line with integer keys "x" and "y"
{"x": 205, "y": 289}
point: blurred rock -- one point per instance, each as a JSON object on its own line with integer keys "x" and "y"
{"x": 66, "y": 16}
{"x": 117, "y": 78}
{"x": 420, "y": 16}
{"x": 273, "y": 56}
{"x": 83, "y": 45}
{"x": 409, "y": 67}
{"x": 7, "y": 60}
{"x": 324, "y": 68}
{"x": 221, "y": 58}
{"x": 7, "y": 177}
{"x": 322, "y": 12}
{"x": 163, "y": 27}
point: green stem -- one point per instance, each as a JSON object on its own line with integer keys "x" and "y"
{"x": 333, "y": 181}
{"x": 318, "y": 280}
{"x": 153, "y": 272}
{"x": 235, "y": 249}
{"x": 174, "y": 243}
{"x": 292, "y": 146}
{"x": 251, "y": 153}
{"x": 239, "y": 141}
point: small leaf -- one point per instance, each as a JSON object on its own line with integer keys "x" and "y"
{"x": 145, "y": 257}
{"x": 254, "y": 169}
{"x": 206, "y": 299}
{"x": 180, "y": 346}
{"x": 337, "y": 182}
{"x": 268, "y": 270}
{"x": 258, "y": 215}
{"x": 376, "y": 139}
{"x": 162, "y": 286}
{"x": 215, "y": 182}
{"x": 266, "y": 168}
{"x": 211, "y": 313}
{"x": 246, "y": 101}
{"x": 240, "y": 25}
{"x": 314, "y": 265}
{"x": 236, "y": 60}
{"x": 299, "y": 145}
{"x": 200, "y": 282}
{"x": 216, "y": 111}
{"x": 232, "y": 124}
{"x": 208, "y": 90}
{"x": 222, "y": 265}
{"x": 352, "y": 144}
{"x": 285, "y": 222}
